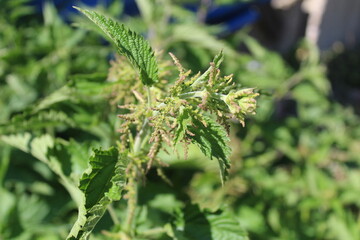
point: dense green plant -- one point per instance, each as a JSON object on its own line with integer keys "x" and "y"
{"x": 38, "y": 55}
{"x": 294, "y": 169}
{"x": 299, "y": 169}
{"x": 37, "y": 59}
{"x": 157, "y": 114}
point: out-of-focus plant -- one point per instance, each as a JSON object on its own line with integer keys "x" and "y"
{"x": 298, "y": 177}
{"x": 39, "y": 55}
{"x": 37, "y": 58}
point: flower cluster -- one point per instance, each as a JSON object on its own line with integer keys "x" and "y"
{"x": 179, "y": 114}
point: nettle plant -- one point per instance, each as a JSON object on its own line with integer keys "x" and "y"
{"x": 158, "y": 114}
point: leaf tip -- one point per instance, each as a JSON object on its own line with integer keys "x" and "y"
{"x": 77, "y": 8}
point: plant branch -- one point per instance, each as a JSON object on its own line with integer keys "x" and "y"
{"x": 113, "y": 216}
{"x": 200, "y": 94}
{"x": 132, "y": 201}
{"x": 141, "y": 136}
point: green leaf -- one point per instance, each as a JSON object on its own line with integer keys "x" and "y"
{"x": 205, "y": 225}
{"x": 56, "y": 154}
{"x": 130, "y": 44}
{"x": 213, "y": 141}
{"x": 27, "y": 121}
{"x": 65, "y": 93}
{"x": 102, "y": 185}
{"x": 99, "y": 181}
{"x": 218, "y": 59}
{"x": 208, "y": 135}
{"x": 184, "y": 119}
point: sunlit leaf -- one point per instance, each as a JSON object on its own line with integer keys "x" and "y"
{"x": 102, "y": 185}
{"x": 130, "y": 44}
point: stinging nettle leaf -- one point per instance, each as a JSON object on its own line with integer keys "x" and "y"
{"x": 203, "y": 225}
{"x": 184, "y": 119}
{"x": 43, "y": 148}
{"x": 102, "y": 185}
{"x": 100, "y": 180}
{"x": 208, "y": 135}
{"x": 130, "y": 44}
{"x": 213, "y": 141}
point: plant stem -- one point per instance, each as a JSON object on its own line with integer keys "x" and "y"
{"x": 154, "y": 231}
{"x": 132, "y": 202}
{"x": 148, "y": 96}
{"x": 112, "y": 213}
{"x": 200, "y": 94}
{"x": 141, "y": 136}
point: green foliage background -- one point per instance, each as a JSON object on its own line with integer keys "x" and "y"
{"x": 295, "y": 166}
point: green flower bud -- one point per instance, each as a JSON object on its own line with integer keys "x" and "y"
{"x": 241, "y": 103}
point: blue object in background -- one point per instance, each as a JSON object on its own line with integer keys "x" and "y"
{"x": 65, "y": 7}
{"x": 130, "y": 8}
{"x": 232, "y": 16}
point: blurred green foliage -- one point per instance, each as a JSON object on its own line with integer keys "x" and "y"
{"x": 295, "y": 167}
{"x": 297, "y": 174}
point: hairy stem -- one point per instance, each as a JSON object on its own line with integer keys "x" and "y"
{"x": 144, "y": 131}
{"x": 132, "y": 202}
{"x": 141, "y": 136}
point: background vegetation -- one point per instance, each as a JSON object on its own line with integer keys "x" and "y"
{"x": 295, "y": 166}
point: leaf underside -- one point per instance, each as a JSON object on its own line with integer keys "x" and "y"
{"x": 130, "y": 44}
